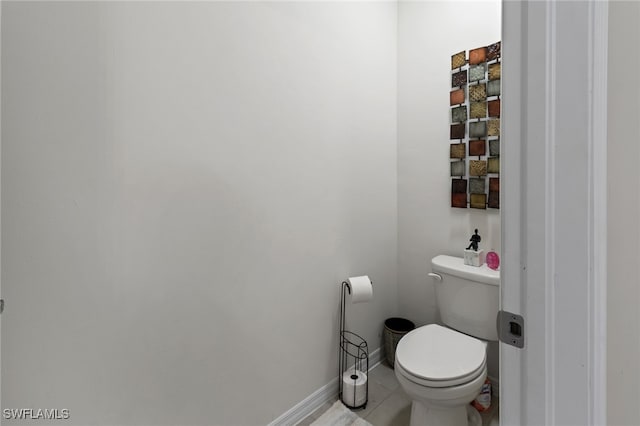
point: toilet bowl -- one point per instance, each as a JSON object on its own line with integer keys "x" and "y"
{"x": 442, "y": 368}
{"x": 442, "y": 371}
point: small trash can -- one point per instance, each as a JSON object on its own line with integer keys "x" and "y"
{"x": 394, "y": 330}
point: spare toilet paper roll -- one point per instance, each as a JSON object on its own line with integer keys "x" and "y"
{"x": 361, "y": 289}
{"x": 349, "y": 384}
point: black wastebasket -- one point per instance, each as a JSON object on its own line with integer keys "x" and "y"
{"x": 394, "y": 330}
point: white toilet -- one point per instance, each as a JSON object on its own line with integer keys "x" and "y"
{"x": 441, "y": 368}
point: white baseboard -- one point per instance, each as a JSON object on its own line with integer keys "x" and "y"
{"x": 375, "y": 358}
{"x": 327, "y": 393}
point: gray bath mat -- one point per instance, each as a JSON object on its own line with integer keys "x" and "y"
{"x": 339, "y": 415}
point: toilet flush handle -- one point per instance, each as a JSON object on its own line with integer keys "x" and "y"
{"x": 435, "y": 276}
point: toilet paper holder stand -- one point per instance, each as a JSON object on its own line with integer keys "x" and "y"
{"x": 353, "y": 357}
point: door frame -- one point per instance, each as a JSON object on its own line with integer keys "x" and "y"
{"x": 554, "y": 193}
{"x": 1, "y": 1}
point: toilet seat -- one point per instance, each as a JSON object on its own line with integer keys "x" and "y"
{"x": 441, "y": 383}
{"x": 438, "y": 357}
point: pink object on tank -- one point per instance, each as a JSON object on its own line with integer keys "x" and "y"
{"x": 493, "y": 260}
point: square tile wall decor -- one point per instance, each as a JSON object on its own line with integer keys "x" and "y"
{"x": 477, "y": 185}
{"x": 494, "y": 71}
{"x": 478, "y": 129}
{"x": 459, "y": 186}
{"x": 494, "y": 200}
{"x": 459, "y": 79}
{"x": 493, "y": 51}
{"x": 494, "y": 193}
{"x": 478, "y": 201}
{"x": 474, "y": 100}
{"x": 493, "y": 127}
{"x": 459, "y": 200}
{"x": 457, "y": 168}
{"x": 494, "y": 108}
{"x": 478, "y": 110}
{"x": 477, "y": 148}
{"x": 457, "y": 131}
{"x": 459, "y": 114}
{"x": 456, "y": 97}
{"x": 494, "y": 147}
{"x": 493, "y": 165}
{"x": 457, "y": 150}
{"x": 477, "y": 72}
{"x": 477, "y": 168}
{"x": 494, "y": 184}
{"x": 493, "y": 88}
{"x": 478, "y": 56}
{"x": 478, "y": 92}
{"x": 458, "y": 60}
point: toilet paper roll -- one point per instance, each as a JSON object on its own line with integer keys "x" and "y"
{"x": 361, "y": 289}
{"x": 354, "y": 380}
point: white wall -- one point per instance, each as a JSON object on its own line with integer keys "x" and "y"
{"x": 184, "y": 186}
{"x": 623, "y": 294}
{"x": 428, "y": 34}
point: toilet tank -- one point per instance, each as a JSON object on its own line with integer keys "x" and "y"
{"x": 467, "y": 296}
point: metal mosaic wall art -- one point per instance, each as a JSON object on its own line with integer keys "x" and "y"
{"x": 478, "y": 129}
{"x": 493, "y": 51}
{"x": 477, "y": 148}
{"x": 494, "y": 71}
{"x": 478, "y": 109}
{"x": 477, "y": 72}
{"x": 474, "y": 135}
{"x": 457, "y": 150}
{"x": 494, "y": 148}
{"x": 459, "y": 114}
{"x": 493, "y": 127}
{"x": 456, "y": 97}
{"x": 494, "y": 108}
{"x": 477, "y": 167}
{"x": 493, "y": 88}
{"x": 457, "y": 131}
{"x": 458, "y": 168}
{"x": 477, "y": 185}
{"x": 459, "y": 79}
{"x": 458, "y": 60}
{"x": 494, "y": 193}
{"x": 478, "y": 56}
{"x": 478, "y": 201}
{"x": 478, "y": 92}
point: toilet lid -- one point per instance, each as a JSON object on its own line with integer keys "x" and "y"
{"x": 433, "y": 352}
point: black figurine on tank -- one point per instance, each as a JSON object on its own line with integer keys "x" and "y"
{"x": 475, "y": 239}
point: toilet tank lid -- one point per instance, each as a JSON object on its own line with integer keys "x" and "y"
{"x": 455, "y": 266}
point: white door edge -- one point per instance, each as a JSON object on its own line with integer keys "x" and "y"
{"x": 1, "y": 405}
{"x": 560, "y": 375}
{"x": 599, "y": 15}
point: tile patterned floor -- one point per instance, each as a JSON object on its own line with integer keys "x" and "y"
{"x": 388, "y": 404}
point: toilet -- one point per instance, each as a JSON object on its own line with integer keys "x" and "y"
{"x": 443, "y": 367}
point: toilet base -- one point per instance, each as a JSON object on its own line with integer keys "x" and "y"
{"x": 423, "y": 415}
